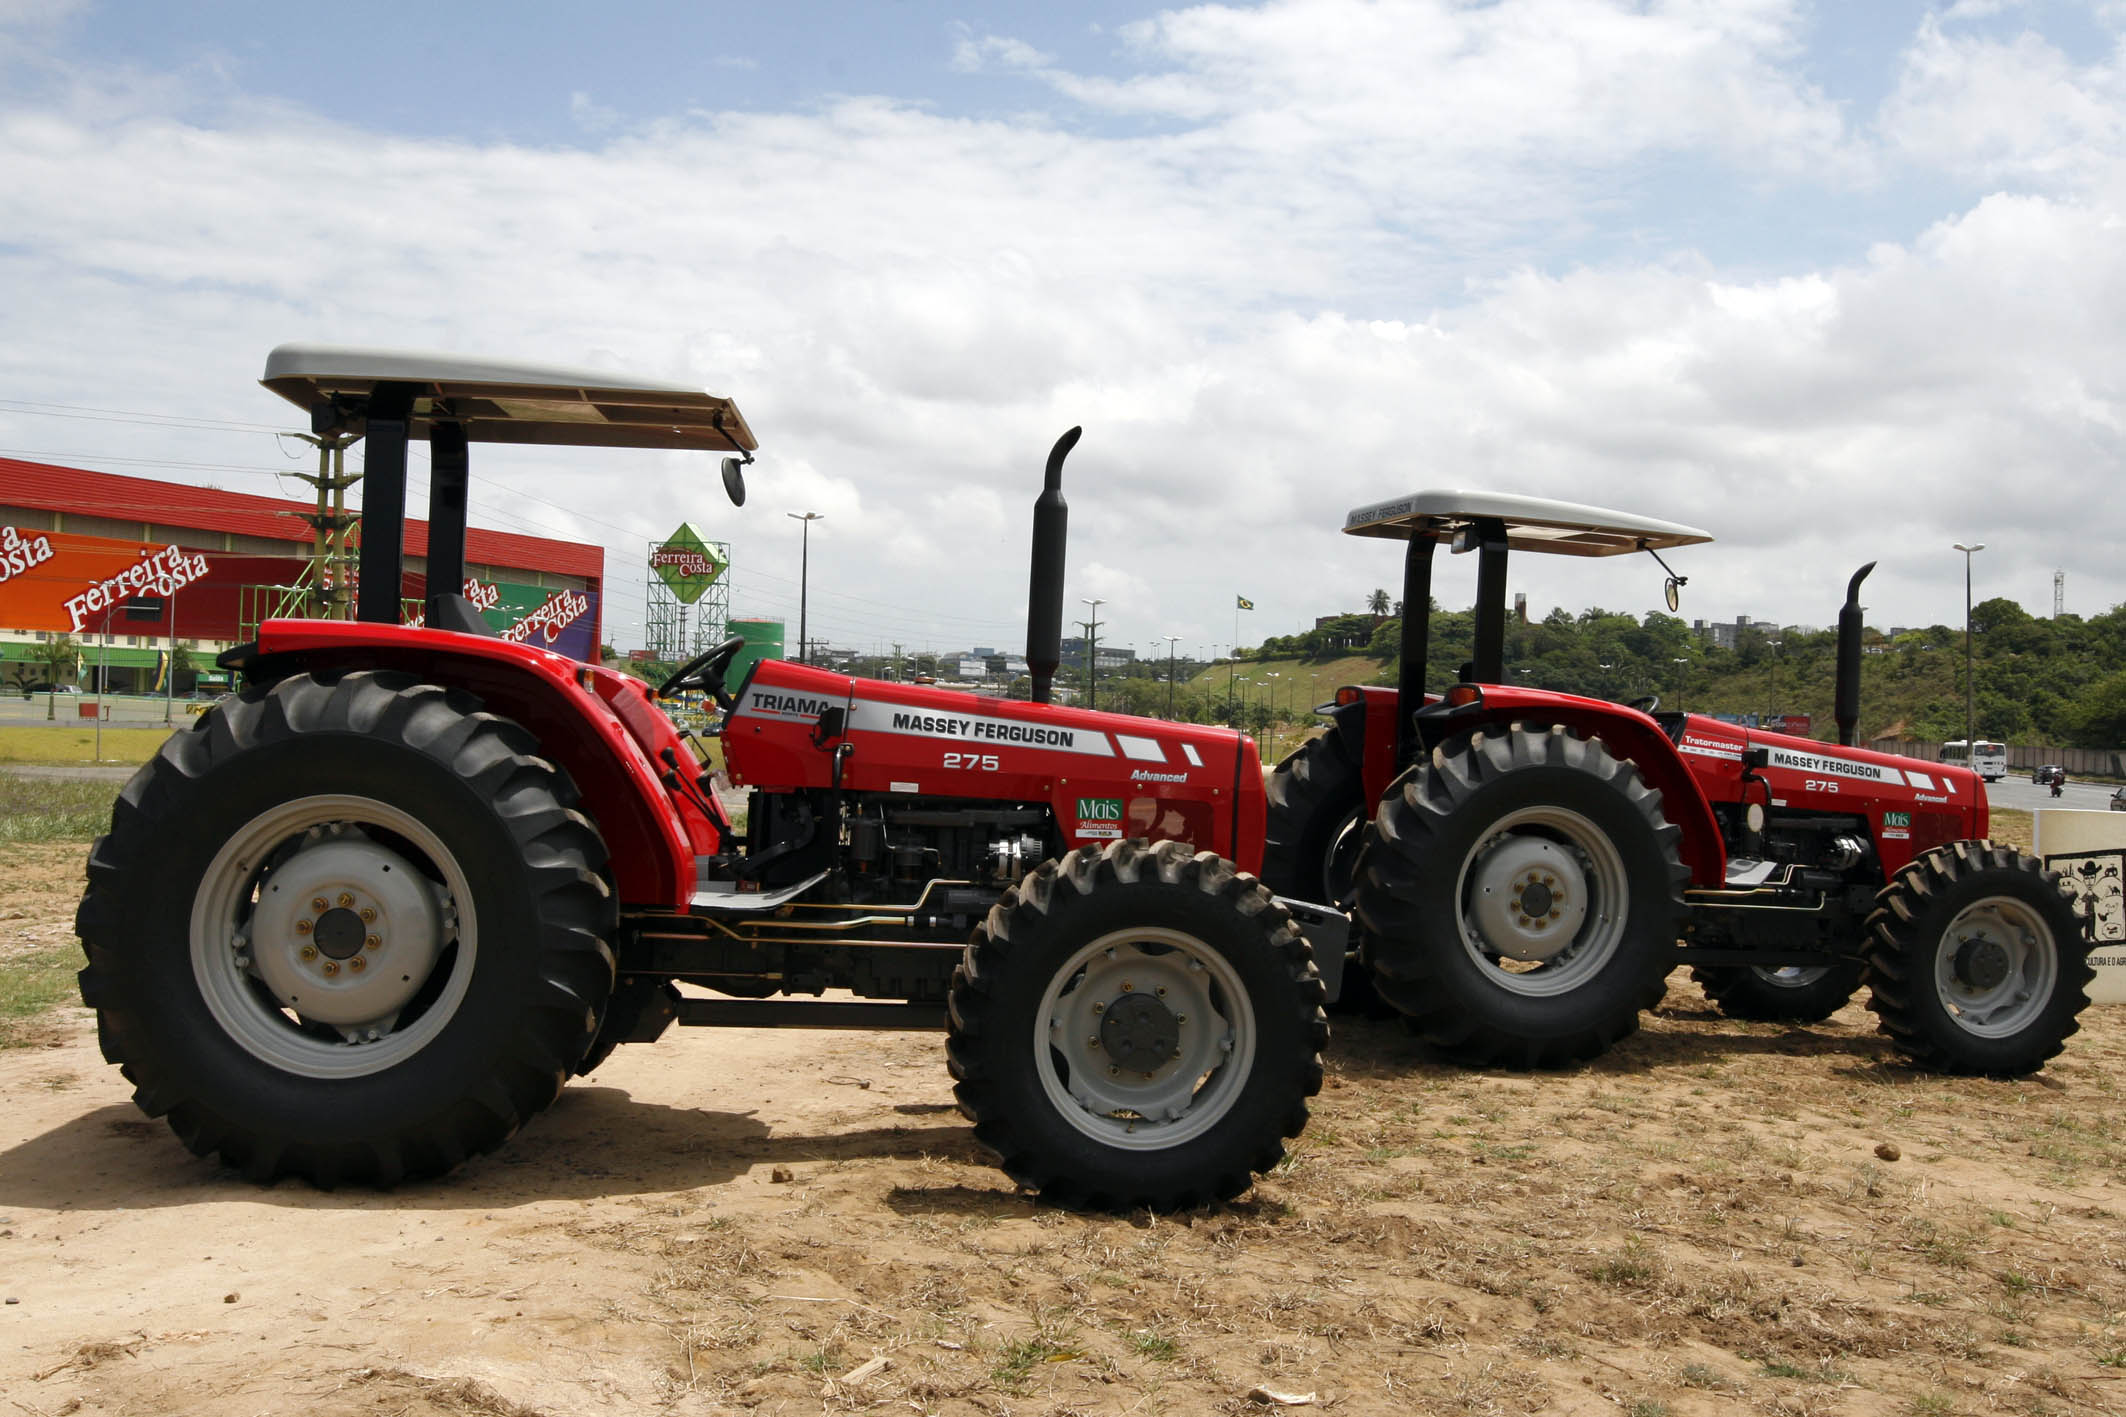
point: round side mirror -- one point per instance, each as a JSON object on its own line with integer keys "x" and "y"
{"x": 734, "y": 487}
{"x": 1668, "y": 589}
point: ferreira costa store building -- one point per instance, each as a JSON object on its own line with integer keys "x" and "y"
{"x": 119, "y": 564}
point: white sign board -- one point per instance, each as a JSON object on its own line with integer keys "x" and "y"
{"x": 2089, "y": 850}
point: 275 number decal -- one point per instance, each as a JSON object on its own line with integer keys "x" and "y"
{"x": 972, "y": 762}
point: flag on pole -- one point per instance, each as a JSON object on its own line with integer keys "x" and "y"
{"x": 1243, "y": 603}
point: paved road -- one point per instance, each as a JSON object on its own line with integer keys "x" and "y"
{"x": 2017, "y": 790}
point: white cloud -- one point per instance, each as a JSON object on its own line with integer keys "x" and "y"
{"x": 1326, "y": 259}
{"x": 2015, "y": 109}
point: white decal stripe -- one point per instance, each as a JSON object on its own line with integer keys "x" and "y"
{"x": 1189, "y": 751}
{"x": 1833, "y": 767}
{"x": 880, "y": 716}
{"x": 1143, "y": 750}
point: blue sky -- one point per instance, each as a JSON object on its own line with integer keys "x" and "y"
{"x": 1837, "y": 282}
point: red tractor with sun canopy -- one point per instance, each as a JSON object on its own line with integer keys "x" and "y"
{"x": 364, "y": 919}
{"x": 1526, "y": 868}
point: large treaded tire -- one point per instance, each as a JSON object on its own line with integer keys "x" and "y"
{"x": 1317, "y": 820}
{"x": 1316, "y": 803}
{"x": 1947, "y": 1001}
{"x": 1806, "y": 995}
{"x": 490, "y": 995}
{"x": 1109, "y": 927}
{"x": 1518, "y": 803}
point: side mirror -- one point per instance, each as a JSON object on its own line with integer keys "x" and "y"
{"x": 1672, "y": 594}
{"x": 734, "y": 481}
{"x": 832, "y": 724}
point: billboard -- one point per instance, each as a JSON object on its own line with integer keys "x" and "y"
{"x": 67, "y": 584}
{"x": 686, "y": 564}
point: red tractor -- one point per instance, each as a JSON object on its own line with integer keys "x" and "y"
{"x": 1526, "y": 867}
{"x": 364, "y": 918}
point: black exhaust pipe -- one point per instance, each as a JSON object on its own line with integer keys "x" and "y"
{"x": 1845, "y": 700}
{"x": 1044, "y": 597}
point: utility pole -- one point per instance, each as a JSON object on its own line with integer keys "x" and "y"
{"x": 332, "y": 550}
{"x": 1092, "y": 653}
{"x": 896, "y": 661}
{"x": 1970, "y": 690}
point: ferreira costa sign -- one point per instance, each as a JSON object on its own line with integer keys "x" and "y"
{"x": 687, "y": 564}
{"x": 159, "y": 573}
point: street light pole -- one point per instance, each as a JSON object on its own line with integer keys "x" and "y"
{"x": 1092, "y": 653}
{"x": 1970, "y": 690}
{"x": 1170, "y": 639}
{"x": 804, "y": 577}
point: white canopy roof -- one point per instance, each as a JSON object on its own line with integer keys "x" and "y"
{"x": 505, "y": 401}
{"x": 1532, "y": 523}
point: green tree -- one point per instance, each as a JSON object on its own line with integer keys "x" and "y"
{"x": 1378, "y": 602}
{"x": 57, "y": 655}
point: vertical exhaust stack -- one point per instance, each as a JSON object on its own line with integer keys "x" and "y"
{"x": 1845, "y": 705}
{"x": 1044, "y": 595}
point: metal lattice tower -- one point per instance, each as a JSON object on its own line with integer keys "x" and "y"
{"x": 2059, "y": 593}
{"x": 675, "y": 631}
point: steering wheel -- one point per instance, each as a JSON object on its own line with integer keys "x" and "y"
{"x": 1647, "y": 704}
{"x": 705, "y": 672}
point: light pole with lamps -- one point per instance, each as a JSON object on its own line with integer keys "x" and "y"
{"x": 1683, "y": 682}
{"x": 1092, "y": 653}
{"x": 1170, "y": 639}
{"x": 1970, "y": 690}
{"x": 804, "y": 577}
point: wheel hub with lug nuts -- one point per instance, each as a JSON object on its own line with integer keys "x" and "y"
{"x": 346, "y": 932}
{"x": 1139, "y": 1033}
{"x": 1982, "y": 963}
{"x": 1528, "y": 900}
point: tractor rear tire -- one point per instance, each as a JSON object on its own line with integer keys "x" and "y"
{"x": 1797, "y": 994}
{"x": 1520, "y": 897}
{"x": 348, "y": 928}
{"x": 1977, "y": 962}
{"x": 1136, "y": 1027}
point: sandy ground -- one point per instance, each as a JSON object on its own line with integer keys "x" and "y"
{"x": 1718, "y": 1217}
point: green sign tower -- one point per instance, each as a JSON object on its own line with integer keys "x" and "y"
{"x": 688, "y": 600}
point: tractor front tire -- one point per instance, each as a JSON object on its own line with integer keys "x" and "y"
{"x": 1317, "y": 821}
{"x": 1793, "y": 994}
{"x": 1520, "y": 897}
{"x": 1317, "y": 814}
{"x": 347, "y": 928}
{"x": 1977, "y": 963}
{"x": 1136, "y": 1027}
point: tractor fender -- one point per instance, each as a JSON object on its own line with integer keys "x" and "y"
{"x": 1628, "y": 734}
{"x": 556, "y": 698}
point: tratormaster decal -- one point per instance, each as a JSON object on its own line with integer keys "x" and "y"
{"x": 782, "y": 706}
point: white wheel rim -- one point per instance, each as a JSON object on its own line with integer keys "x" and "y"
{"x": 1996, "y": 967}
{"x": 1134, "y": 1107}
{"x": 248, "y": 957}
{"x": 1542, "y": 954}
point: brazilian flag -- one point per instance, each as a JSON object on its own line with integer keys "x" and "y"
{"x": 1243, "y": 603}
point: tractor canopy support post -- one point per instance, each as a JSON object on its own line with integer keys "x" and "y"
{"x": 384, "y": 503}
{"x": 1417, "y": 637}
{"x": 1489, "y": 536}
{"x": 447, "y": 477}
{"x": 1845, "y": 706}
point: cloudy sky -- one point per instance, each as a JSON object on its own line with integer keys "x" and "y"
{"x": 1837, "y": 282}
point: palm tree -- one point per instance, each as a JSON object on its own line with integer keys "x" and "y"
{"x": 57, "y": 656}
{"x": 1378, "y": 602}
